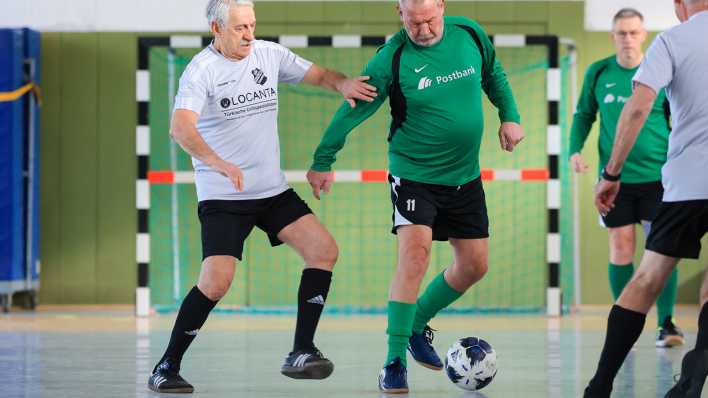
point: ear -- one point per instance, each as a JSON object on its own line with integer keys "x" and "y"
{"x": 215, "y": 28}
{"x": 398, "y": 10}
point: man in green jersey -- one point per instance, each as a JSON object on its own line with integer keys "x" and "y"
{"x": 433, "y": 72}
{"x": 607, "y": 87}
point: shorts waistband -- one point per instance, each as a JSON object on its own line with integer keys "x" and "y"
{"x": 402, "y": 181}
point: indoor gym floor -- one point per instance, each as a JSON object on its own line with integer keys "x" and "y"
{"x": 107, "y": 352}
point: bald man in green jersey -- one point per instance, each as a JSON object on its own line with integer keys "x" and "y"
{"x": 433, "y": 72}
{"x": 606, "y": 89}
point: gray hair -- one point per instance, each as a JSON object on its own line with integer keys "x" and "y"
{"x": 415, "y": 2}
{"x": 628, "y": 13}
{"x": 218, "y": 10}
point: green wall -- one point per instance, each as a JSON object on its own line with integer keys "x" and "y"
{"x": 88, "y": 141}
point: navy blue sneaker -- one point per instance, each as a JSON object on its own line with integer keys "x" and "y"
{"x": 694, "y": 369}
{"x": 393, "y": 378}
{"x": 668, "y": 334}
{"x": 421, "y": 347}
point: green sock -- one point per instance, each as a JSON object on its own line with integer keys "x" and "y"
{"x": 437, "y": 296}
{"x": 667, "y": 298}
{"x": 619, "y": 277}
{"x": 400, "y": 324}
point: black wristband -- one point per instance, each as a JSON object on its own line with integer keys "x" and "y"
{"x": 609, "y": 177}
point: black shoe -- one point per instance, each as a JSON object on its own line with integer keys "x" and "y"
{"x": 307, "y": 364}
{"x": 165, "y": 378}
{"x": 694, "y": 369}
{"x": 669, "y": 335}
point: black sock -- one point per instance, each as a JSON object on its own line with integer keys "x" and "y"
{"x": 623, "y": 329}
{"x": 311, "y": 297}
{"x": 702, "y": 338}
{"x": 191, "y": 317}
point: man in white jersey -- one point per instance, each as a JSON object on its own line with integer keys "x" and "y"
{"x": 678, "y": 61}
{"x": 225, "y": 117}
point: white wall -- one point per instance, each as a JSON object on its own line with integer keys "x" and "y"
{"x": 105, "y": 15}
{"x": 658, "y": 14}
{"x": 188, "y": 15}
{"x": 122, "y": 15}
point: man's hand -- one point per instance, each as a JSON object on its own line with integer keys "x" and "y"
{"x": 510, "y": 134}
{"x": 605, "y": 194}
{"x": 230, "y": 171}
{"x": 320, "y": 181}
{"x": 355, "y": 89}
{"x": 578, "y": 164}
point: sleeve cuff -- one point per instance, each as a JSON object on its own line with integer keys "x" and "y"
{"x": 512, "y": 117}
{"x": 321, "y": 167}
{"x": 573, "y": 150}
{"x": 647, "y": 82}
{"x": 190, "y": 104}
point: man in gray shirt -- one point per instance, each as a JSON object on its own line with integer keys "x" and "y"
{"x": 677, "y": 60}
{"x": 226, "y": 118}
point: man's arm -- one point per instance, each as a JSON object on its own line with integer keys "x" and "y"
{"x": 184, "y": 132}
{"x": 496, "y": 85}
{"x": 494, "y": 81}
{"x": 351, "y": 89}
{"x": 345, "y": 120}
{"x": 583, "y": 119}
{"x": 498, "y": 90}
{"x": 631, "y": 120}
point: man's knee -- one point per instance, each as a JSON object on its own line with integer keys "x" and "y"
{"x": 328, "y": 255}
{"x": 415, "y": 260}
{"x": 214, "y": 290}
{"x": 478, "y": 268}
{"x": 216, "y": 277}
{"x": 323, "y": 254}
{"x": 647, "y": 282}
{"x": 469, "y": 272}
{"x": 622, "y": 248}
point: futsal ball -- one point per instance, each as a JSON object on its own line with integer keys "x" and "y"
{"x": 471, "y": 363}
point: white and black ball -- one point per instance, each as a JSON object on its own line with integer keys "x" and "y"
{"x": 471, "y": 363}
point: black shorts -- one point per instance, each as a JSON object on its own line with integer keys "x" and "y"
{"x": 678, "y": 229}
{"x": 635, "y": 203}
{"x": 227, "y": 223}
{"x": 452, "y": 212}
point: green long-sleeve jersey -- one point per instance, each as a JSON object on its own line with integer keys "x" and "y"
{"x": 607, "y": 87}
{"x": 435, "y": 95}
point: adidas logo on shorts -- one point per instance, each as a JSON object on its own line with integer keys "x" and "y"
{"x": 192, "y": 332}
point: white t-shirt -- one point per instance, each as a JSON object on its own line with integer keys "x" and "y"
{"x": 237, "y": 103}
{"x": 678, "y": 60}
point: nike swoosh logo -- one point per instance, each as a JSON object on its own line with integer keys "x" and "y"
{"x": 610, "y": 85}
{"x": 417, "y": 70}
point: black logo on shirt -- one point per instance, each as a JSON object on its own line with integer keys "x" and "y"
{"x": 225, "y": 103}
{"x": 259, "y": 77}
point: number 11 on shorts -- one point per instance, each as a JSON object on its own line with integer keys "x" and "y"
{"x": 410, "y": 205}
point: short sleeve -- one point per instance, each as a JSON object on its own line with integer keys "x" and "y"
{"x": 193, "y": 90}
{"x": 656, "y": 70}
{"x": 292, "y": 68}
